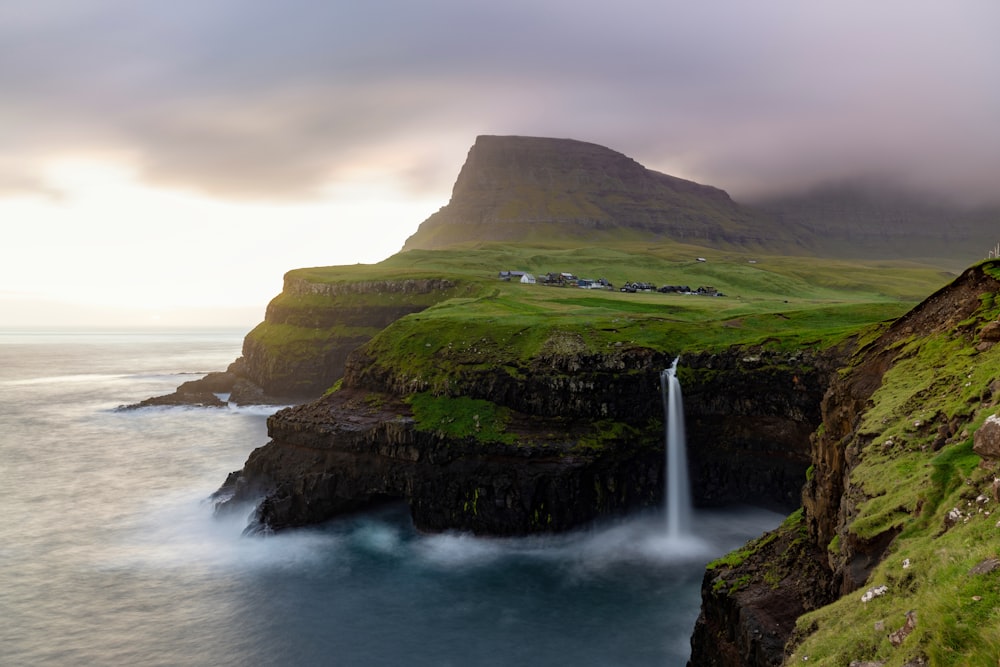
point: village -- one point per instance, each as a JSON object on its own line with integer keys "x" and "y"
{"x": 570, "y": 280}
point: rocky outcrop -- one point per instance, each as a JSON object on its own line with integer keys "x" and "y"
{"x": 742, "y": 623}
{"x": 827, "y": 497}
{"x": 354, "y": 449}
{"x": 987, "y": 440}
{"x": 309, "y": 330}
{"x": 203, "y": 392}
{"x": 740, "y": 595}
{"x": 583, "y": 440}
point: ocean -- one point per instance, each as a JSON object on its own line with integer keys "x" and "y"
{"x": 110, "y": 553}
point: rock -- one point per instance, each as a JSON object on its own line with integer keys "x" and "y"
{"x": 986, "y": 566}
{"x": 990, "y": 332}
{"x": 204, "y": 399}
{"x": 201, "y": 392}
{"x": 873, "y": 593}
{"x": 353, "y": 449}
{"x": 995, "y": 389}
{"x": 942, "y": 438}
{"x": 986, "y": 442}
{"x": 896, "y": 638}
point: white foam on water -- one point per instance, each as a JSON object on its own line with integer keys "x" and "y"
{"x": 459, "y": 550}
{"x": 260, "y": 410}
{"x": 181, "y": 532}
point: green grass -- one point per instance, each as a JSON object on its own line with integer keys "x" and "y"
{"x": 908, "y": 481}
{"x": 480, "y": 322}
{"x": 953, "y": 627}
{"x": 461, "y": 417}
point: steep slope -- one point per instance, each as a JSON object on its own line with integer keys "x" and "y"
{"x": 889, "y": 561}
{"x": 533, "y": 189}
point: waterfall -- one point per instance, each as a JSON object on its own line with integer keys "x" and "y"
{"x": 677, "y": 494}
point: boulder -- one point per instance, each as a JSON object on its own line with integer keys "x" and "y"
{"x": 990, "y": 332}
{"x": 986, "y": 442}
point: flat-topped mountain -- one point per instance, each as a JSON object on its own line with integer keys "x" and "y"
{"x": 532, "y": 189}
{"x": 543, "y": 192}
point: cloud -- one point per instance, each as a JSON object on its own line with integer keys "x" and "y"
{"x": 255, "y": 99}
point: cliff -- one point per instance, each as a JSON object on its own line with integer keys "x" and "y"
{"x": 540, "y": 444}
{"x": 563, "y": 204}
{"x": 884, "y": 564}
{"x": 300, "y": 349}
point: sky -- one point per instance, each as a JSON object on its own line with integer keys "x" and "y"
{"x": 165, "y": 163}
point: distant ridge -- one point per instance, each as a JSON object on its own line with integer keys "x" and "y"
{"x": 534, "y": 189}
{"x": 862, "y": 220}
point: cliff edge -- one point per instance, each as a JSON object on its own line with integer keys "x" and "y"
{"x": 889, "y": 560}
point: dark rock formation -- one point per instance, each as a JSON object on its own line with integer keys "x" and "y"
{"x": 749, "y": 414}
{"x": 361, "y": 444}
{"x": 354, "y": 449}
{"x": 201, "y": 392}
{"x": 745, "y": 624}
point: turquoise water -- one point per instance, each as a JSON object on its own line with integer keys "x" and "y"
{"x": 110, "y": 553}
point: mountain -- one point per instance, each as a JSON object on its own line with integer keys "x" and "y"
{"x": 876, "y": 221}
{"x": 543, "y": 191}
{"x": 539, "y": 190}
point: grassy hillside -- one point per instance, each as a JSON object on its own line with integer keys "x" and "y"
{"x": 935, "y": 496}
{"x": 777, "y": 301}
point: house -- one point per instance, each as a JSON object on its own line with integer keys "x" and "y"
{"x": 507, "y": 276}
{"x": 527, "y": 279}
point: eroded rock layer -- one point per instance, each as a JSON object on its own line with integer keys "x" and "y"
{"x": 561, "y": 460}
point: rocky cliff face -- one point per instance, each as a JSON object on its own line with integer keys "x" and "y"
{"x": 894, "y": 421}
{"x": 531, "y": 188}
{"x": 581, "y": 439}
{"x": 355, "y": 449}
{"x": 749, "y": 415}
{"x": 309, "y": 330}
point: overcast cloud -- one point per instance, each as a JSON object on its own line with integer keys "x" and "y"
{"x": 260, "y": 99}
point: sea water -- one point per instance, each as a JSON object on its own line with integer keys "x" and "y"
{"x": 110, "y": 553}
